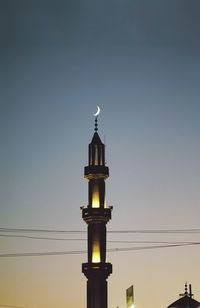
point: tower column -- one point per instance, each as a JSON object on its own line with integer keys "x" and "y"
{"x": 96, "y": 215}
{"x": 97, "y": 285}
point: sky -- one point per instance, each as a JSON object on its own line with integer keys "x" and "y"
{"x": 139, "y": 61}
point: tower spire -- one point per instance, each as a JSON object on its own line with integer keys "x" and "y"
{"x": 190, "y": 290}
{"x": 96, "y": 119}
{"x": 96, "y": 124}
{"x": 186, "y": 289}
{"x": 96, "y": 215}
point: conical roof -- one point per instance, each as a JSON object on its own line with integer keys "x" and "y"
{"x": 185, "y": 302}
{"x": 96, "y": 139}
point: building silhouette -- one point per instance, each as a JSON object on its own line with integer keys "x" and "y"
{"x": 186, "y": 300}
{"x": 96, "y": 215}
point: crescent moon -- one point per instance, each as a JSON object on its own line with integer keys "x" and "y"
{"x": 98, "y": 112}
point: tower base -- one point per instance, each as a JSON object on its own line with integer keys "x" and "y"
{"x": 97, "y": 274}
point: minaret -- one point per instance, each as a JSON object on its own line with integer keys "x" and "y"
{"x": 96, "y": 215}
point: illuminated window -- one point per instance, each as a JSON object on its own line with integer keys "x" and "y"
{"x": 96, "y": 253}
{"x": 95, "y": 196}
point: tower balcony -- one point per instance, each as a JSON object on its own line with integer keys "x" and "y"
{"x": 96, "y": 172}
{"x": 95, "y": 215}
{"x": 95, "y": 269}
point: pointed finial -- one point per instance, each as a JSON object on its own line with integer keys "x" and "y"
{"x": 186, "y": 289}
{"x": 96, "y": 119}
{"x": 190, "y": 291}
{"x": 96, "y": 125}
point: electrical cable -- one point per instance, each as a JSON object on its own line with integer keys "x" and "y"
{"x": 57, "y": 253}
{"x": 22, "y": 230}
{"x": 84, "y": 239}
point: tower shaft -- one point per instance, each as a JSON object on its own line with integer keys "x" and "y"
{"x": 96, "y": 215}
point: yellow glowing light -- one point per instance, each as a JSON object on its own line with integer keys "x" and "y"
{"x": 95, "y": 196}
{"x": 104, "y": 201}
{"x": 95, "y": 199}
{"x": 95, "y": 253}
{"x": 130, "y": 297}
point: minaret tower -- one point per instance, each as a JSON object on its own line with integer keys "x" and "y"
{"x": 96, "y": 215}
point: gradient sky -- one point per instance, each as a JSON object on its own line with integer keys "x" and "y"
{"x": 139, "y": 61}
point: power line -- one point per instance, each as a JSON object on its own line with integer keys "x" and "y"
{"x": 172, "y": 231}
{"x": 42, "y": 238}
{"x": 84, "y": 239}
{"x": 154, "y": 247}
{"x": 22, "y": 230}
{"x": 59, "y": 253}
